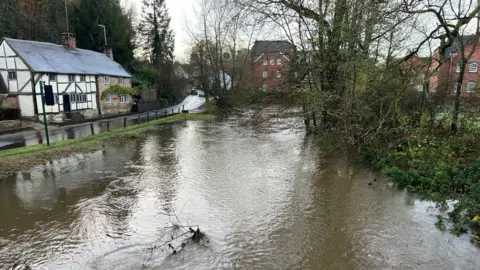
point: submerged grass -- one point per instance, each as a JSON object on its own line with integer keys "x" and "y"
{"x": 441, "y": 168}
{"x": 21, "y": 158}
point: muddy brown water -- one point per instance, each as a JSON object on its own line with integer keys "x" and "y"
{"x": 264, "y": 198}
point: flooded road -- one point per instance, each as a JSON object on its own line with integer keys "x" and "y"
{"x": 16, "y": 140}
{"x": 265, "y": 199}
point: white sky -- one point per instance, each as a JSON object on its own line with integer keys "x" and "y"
{"x": 182, "y": 14}
{"x": 181, "y": 11}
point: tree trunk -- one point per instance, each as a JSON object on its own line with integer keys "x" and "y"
{"x": 458, "y": 93}
{"x": 456, "y": 109}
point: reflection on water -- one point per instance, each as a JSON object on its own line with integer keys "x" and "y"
{"x": 265, "y": 199}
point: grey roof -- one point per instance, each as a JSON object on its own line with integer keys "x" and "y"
{"x": 54, "y": 58}
{"x": 456, "y": 44}
{"x": 263, "y": 46}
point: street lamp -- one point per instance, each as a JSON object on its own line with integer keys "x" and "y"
{"x": 104, "y": 32}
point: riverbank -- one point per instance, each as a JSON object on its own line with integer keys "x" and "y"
{"x": 25, "y": 157}
{"x": 441, "y": 167}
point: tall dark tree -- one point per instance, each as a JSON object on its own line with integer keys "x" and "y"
{"x": 32, "y": 20}
{"x": 9, "y": 15}
{"x": 156, "y": 33}
{"x": 158, "y": 44}
{"x": 89, "y": 14}
{"x": 46, "y": 20}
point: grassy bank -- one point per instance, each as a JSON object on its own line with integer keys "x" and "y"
{"x": 440, "y": 167}
{"x": 21, "y": 158}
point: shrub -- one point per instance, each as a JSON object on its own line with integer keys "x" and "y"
{"x": 10, "y": 113}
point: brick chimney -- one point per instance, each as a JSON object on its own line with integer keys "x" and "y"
{"x": 69, "y": 41}
{"x": 107, "y": 49}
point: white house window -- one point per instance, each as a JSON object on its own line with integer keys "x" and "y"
{"x": 71, "y": 78}
{"x": 83, "y": 78}
{"x": 265, "y": 87}
{"x": 73, "y": 98}
{"x": 470, "y": 87}
{"x": 106, "y": 80}
{"x": 57, "y": 99}
{"x": 272, "y": 60}
{"x": 473, "y": 67}
{"x": 279, "y": 61}
{"x": 124, "y": 98}
{"x": 458, "y": 67}
{"x": 279, "y": 75}
{"x": 12, "y": 75}
{"x": 264, "y": 74}
{"x": 81, "y": 98}
{"x": 108, "y": 98}
{"x": 52, "y": 77}
{"x": 120, "y": 81}
{"x": 264, "y": 61}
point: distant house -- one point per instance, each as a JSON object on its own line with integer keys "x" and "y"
{"x": 222, "y": 79}
{"x": 418, "y": 67}
{"x": 444, "y": 80}
{"x": 271, "y": 63}
{"x": 77, "y": 76}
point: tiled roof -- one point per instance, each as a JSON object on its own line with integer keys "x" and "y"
{"x": 54, "y": 58}
{"x": 455, "y": 48}
{"x": 263, "y": 46}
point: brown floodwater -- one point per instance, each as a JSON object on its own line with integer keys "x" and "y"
{"x": 265, "y": 198}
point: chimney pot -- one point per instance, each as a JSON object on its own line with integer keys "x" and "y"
{"x": 108, "y": 50}
{"x": 69, "y": 41}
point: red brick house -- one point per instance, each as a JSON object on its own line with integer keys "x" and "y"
{"x": 443, "y": 82}
{"x": 271, "y": 63}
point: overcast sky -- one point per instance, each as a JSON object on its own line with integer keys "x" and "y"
{"x": 181, "y": 12}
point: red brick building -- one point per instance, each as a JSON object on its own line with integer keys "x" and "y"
{"x": 444, "y": 80}
{"x": 271, "y": 63}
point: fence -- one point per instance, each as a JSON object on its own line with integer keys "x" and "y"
{"x": 116, "y": 123}
{"x": 146, "y": 106}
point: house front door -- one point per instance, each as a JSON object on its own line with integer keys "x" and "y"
{"x": 66, "y": 103}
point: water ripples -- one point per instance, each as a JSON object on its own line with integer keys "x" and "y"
{"x": 262, "y": 194}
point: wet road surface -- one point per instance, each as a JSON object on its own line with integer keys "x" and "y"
{"x": 82, "y": 130}
{"x": 264, "y": 197}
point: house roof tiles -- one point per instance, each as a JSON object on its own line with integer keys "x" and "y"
{"x": 53, "y": 58}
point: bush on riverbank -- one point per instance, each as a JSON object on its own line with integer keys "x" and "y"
{"x": 440, "y": 167}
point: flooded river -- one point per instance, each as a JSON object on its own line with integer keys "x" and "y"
{"x": 265, "y": 198}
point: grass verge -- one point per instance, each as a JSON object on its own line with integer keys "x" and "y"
{"x": 21, "y": 158}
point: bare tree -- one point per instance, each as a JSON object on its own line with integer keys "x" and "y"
{"x": 220, "y": 56}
